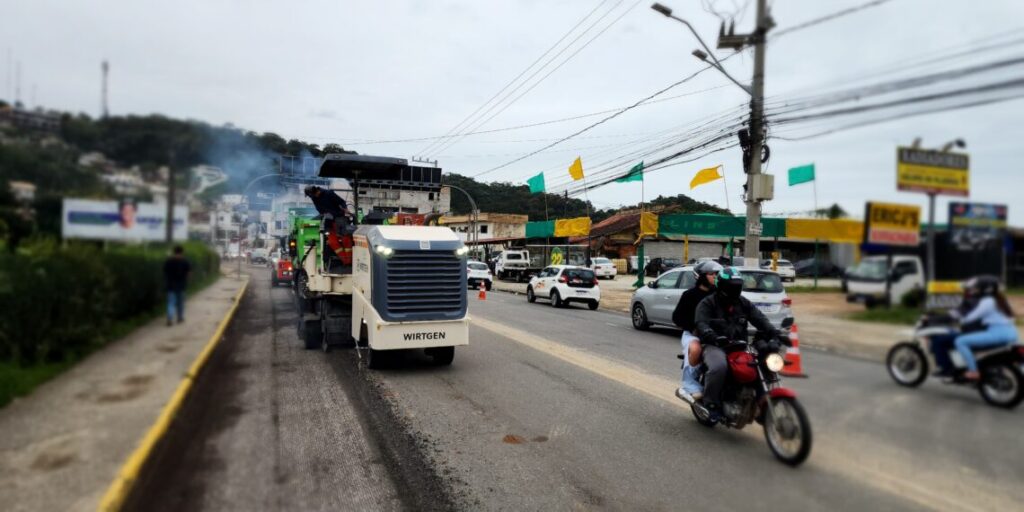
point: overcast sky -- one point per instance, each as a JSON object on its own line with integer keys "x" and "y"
{"x": 345, "y": 72}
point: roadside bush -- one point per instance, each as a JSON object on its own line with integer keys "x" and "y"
{"x": 913, "y": 299}
{"x": 57, "y": 303}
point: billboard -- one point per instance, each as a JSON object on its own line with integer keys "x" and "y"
{"x": 933, "y": 172}
{"x": 973, "y": 226}
{"x": 892, "y": 224}
{"x": 124, "y": 220}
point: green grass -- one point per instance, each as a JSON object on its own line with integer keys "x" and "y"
{"x": 17, "y": 380}
{"x": 897, "y": 315}
{"x": 1015, "y": 291}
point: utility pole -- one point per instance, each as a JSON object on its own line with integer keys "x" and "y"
{"x": 752, "y": 243}
{"x": 758, "y": 187}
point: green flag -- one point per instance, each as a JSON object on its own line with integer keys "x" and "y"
{"x": 536, "y": 184}
{"x": 634, "y": 174}
{"x": 802, "y": 174}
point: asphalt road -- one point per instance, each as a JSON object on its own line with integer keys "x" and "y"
{"x": 553, "y": 409}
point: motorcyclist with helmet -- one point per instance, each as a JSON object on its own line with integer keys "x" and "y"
{"x": 722, "y": 318}
{"x": 684, "y": 317}
{"x": 995, "y": 316}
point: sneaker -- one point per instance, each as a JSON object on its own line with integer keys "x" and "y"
{"x": 714, "y": 415}
{"x": 684, "y": 396}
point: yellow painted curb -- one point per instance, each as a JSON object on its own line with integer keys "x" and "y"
{"x": 114, "y": 498}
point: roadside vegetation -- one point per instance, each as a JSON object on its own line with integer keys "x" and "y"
{"x": 60, "y": 303}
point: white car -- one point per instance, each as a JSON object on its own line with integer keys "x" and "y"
{"x": 784, "y": 267}
{"x": 654, "y": 303}
{"x": 563, "y": 284}
{"x": 478, "y": 272}
{"x": 603, "y": 267}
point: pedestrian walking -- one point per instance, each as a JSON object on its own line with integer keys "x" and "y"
{"x": 176, "y": 270}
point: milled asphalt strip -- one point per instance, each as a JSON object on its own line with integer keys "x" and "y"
{"x": 936, "y": 489}
{"x": 114, "y": 498}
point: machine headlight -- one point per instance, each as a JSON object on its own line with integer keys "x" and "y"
{"x": 462, "y": 251}
{"x": 384, "y": 251}
{"x": 775, "y": 362}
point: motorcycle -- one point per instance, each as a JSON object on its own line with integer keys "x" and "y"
{"x": 1001, "y": 383}
{"x": 753, "y": 392}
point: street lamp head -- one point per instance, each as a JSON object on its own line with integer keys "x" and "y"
{"x": 700, "y": 54}
{"x": 662, "y": 9}
{"x": 960, "y": 143}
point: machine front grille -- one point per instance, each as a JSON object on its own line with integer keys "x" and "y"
{"x": 423, "y": 284}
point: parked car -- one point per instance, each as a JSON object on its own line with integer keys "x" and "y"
{"x": 808, "y": 267}
{"x": 654, "y": 303}
{"x": 603, "y": 267}
{"x": 281, "y": 273}
{"x": 784, "y": 267}
{"x": 259, "y": 256}
{"x": 659, "y": 266}
{"x": 563, "y": 284}
{"x": 477, "y": 272}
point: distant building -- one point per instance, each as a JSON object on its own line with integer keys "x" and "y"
{"x": 24, "y": 194}
{"x": 208, "y": 176}
{"x": 125, "y": 182}
{"x": 489, "y": 225}
{"x": 38, "y": 119}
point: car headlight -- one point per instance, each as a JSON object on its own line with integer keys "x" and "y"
{"x": 462, "y": 251}
{"x": 775, "y": 362}
{"x": 384, "y": 251}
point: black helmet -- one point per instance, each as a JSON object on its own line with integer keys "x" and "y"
{"x": 982, "y": 286}
{"x": 702, "y": 269}
{"x": 729, "y": 283}
{"x": 310, "y": 190}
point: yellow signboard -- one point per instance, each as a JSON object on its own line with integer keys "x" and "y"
{"x": 893, "y": 224}
{"x": 933, "y": 172}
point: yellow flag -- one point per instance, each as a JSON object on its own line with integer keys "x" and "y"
{"x": 705, "y": 176}
{"x": 576, "y": 169}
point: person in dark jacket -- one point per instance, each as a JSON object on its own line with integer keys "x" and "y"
{"x": 327, "y": 202}
{"x": 684, "y": 317}
{"x": 722, "y": 318}
{"x": 176, "y": 270}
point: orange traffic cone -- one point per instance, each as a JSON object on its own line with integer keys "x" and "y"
{"x": 793, "y": 367}
{"x": 483, "y": 291}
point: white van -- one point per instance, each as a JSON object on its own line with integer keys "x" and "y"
{"x": 866, "y": 281}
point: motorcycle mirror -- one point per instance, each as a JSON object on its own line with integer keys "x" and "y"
{"x": 787, "y": 323}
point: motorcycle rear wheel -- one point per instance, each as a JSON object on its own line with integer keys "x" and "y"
{"x": 788, "y": 431}
{"x": 907, "y": 364}
{"x": 1002, "y": 386}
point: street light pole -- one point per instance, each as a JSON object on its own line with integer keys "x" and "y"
{"x": 474, "y": 215}
{"x": 751, "y": 246}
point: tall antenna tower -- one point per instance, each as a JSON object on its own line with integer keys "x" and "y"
{"x": 106, "y": 70}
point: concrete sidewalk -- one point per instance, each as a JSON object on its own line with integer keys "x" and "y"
{"x": 62, "y": 446}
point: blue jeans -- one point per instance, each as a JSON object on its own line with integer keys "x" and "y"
{"x": 993, "y": 335}
{"x": 940, "y": 346}
{"x": 690, "y": 384}
{"x": 176, "y": 305}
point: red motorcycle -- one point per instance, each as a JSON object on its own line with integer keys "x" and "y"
{"x": 753, "y": 392}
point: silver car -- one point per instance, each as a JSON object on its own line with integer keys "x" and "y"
{"x": 654, "y": 303}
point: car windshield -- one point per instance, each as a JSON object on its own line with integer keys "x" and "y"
{"x": 580, "y": 273}
{"x": 762, "y": 282}
{"x": 675, "y": 262}
{"x": 602, "y": 261}
{"x": 513, "y": 256}
{"x": 784, "y": 263}
{"x": 870, "y": 269}
{"x": 477, "y": 266}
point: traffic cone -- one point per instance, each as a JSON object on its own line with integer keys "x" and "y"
{"x": 483, "y": 291}
{"x": 793, "y": 367}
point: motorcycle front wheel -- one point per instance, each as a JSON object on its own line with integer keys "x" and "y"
{"x": 907, "y": 364}
{"x": 788, "y": 431}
